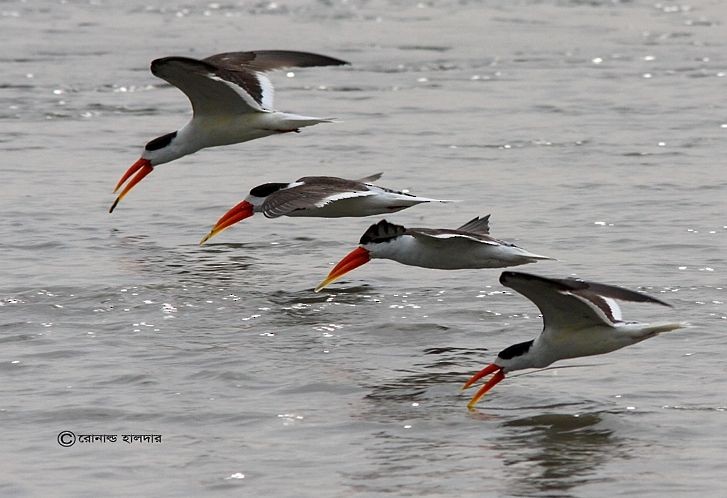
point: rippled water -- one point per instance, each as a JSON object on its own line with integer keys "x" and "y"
{"x": 594, "y": 132}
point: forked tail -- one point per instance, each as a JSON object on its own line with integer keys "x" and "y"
{"x": 664, "y": 327}
{"x": 534, "y": 258}
{"x": 542, "y": 258}
{"x": 295, "y": 121}
{"x": 647, "y": 331}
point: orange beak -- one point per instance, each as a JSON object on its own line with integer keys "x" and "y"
{"x": 491, "y": 368}
{"x": 354, "y": 259}
{"x": 136, "y": 172}
{"x": 238, "y": 213}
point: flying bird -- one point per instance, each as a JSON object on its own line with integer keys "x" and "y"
{"x": 579, "y": 319}
{"x": 232, "y": 102}
{"x": 469, "y": 246}
{"x": 319, "y": 196}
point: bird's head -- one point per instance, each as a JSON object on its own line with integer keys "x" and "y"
{"x": 158, "y": 151}
{"x": 259, "y": 194}
{"x": 249, "y": 206}
{"x": 376, "y": 242}
{"x": 164, "y": 149}
{"x": 511, "y": 358}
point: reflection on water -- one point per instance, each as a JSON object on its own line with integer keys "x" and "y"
{"x": 415, "y": 442}
{"x": 435, "y": 370}
{"x": 186, "y": 264}
{"x": 410, "y": 388}
{"x": 550, "y": 454}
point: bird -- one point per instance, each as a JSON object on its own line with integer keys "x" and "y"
{"x": 580, "y": 318}
{"x": 319, "y": 196}
{"x": 469, "y": 246}
{"x": 232, "y": 102}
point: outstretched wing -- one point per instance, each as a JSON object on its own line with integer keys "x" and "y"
{"x": 232, "y": 82}
{"x": 444, "y": 235}
{"x": 312, "y": 192}
{"x": 570, "y": 303}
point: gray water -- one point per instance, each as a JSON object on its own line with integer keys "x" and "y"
{"x": 593, "y": 132}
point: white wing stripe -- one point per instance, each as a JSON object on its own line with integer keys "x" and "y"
{"x": 615, "y": 308}
{"x": 239, "y": 91}
{"x": 459, "y": 236}
{"x": 267, "y": 91}
{"x": 598, "y": 311}
{"x": 343, "y": 195}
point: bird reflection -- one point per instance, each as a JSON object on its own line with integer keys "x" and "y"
{"x": 415, "y": 446}
{"x": 435, "y": 371}
{"x": 554, "y": 453}
{"x": 138, "y": 254}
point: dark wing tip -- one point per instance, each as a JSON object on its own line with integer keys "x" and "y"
{"x": 508, "y": 277}
{"x": 308, "y": 59}
{"x": 623, "y": 294}
{"x": 381, "y": 231}
{"x": 259, "y": 60}
{"x": 157, "y": 64}
{"x": 574, "y": 285}
{"x": 268, "y": 60}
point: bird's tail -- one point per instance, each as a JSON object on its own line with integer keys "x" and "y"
{"x": 295, "y": 121}
{"x": 539, "y": 257}
{"x": 534, "y": 258}
{"x": 427, "y": 199}
{"x": 645, "y": 331}
{"x": 652, "y": 330}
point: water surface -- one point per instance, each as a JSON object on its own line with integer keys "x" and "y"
{"x": 593, "y": 132}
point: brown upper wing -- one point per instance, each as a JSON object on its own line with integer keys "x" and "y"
{"x": 268, "y": 60}
{"x": 231, "y": 81}
{"x": 313, "y": 192}
{"x": 570, "y": 302}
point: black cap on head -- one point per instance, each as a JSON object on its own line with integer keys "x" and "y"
{"x": 266, "y": 189}
{"x": 518, "y": 349}
{"x": 381, "y": 232}
{"x": 160, "y": 142}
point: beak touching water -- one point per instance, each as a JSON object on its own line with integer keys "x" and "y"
{"x": 491, "y": 368}
{"x": 238, "y": 213}
{"x": 136, "y": 172}
{"x": 354, "y": 259}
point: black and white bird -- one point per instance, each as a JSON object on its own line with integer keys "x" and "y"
{"x": 319, "y": 196}
{"x": 469, "y": 246}
{"x": 579, "y": 319}
{"x": 232, "y": 102}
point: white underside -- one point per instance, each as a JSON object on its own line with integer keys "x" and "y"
{"x": 214, "y": 131}
{"x": 451, "y": 253}
{"x": 559, "y": 344}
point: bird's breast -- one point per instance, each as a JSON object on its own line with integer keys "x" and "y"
{"x": 216, "y": 130}
{"x": 455, "y": 253}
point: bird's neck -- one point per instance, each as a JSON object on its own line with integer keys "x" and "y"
{"x": 181, "y": 144}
